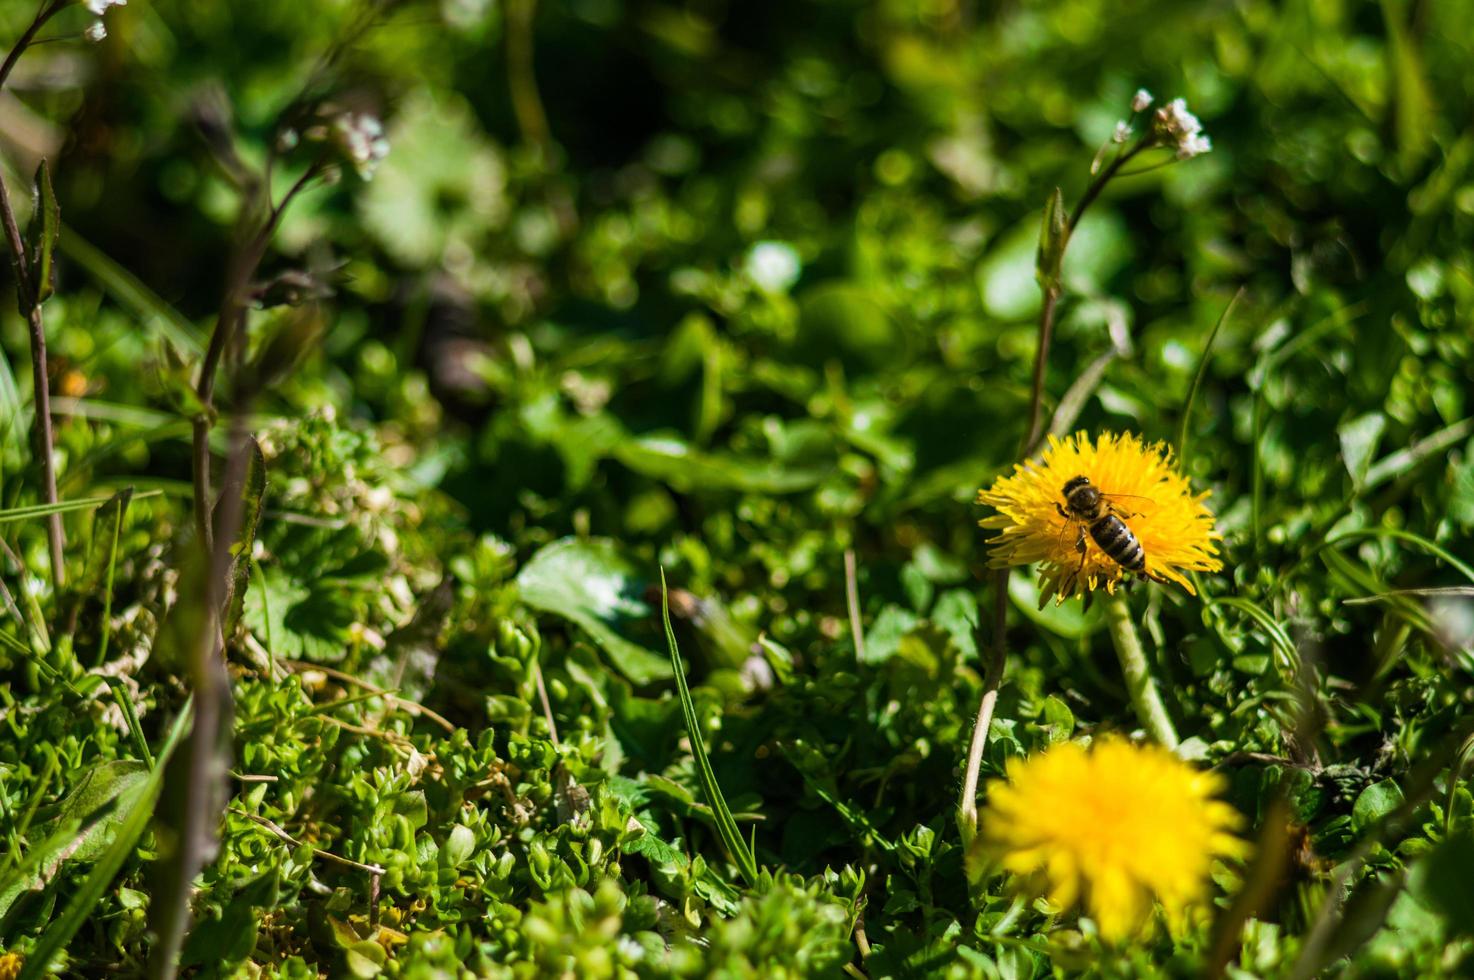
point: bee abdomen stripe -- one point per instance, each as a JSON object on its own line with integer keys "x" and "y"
{"x": 1108, "y": 531}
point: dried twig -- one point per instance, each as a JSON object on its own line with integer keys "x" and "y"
{"x": 412, "y": 707}
{"x": 317, "y": 852}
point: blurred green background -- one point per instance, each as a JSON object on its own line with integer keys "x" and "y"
{"x": 794, "y": 232}
{"x": 740, "y": 286}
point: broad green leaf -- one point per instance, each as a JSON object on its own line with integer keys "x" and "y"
{"x": 689, "y": 469}
{"x": 76, "y": 829}
{"x": 842, "y": 318}
{"x": 883, "y": 638}
{"x": 592, "y": 584}
{"x": 1374, "y": 803}
{"x": 1359, "y": 438}
{"x": 1098, "y": 249}
{"x": 1441, "y": 880}
{"x": 1068, "y": 619}
{"x": 138, "y": 811}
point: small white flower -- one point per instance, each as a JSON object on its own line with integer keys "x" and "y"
{"x": 362, "y": 140}
{"x": 96, "y": 31}
{"x": 99, "y": 7}
{"x": 1174, "y": 119}
{"x": 1140, "y": 100}
{"x": 1194, "y": 145}
{"x": 1179, "y": 129}
{"x": 1122, "y": 133}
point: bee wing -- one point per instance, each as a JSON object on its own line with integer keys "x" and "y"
{"x": 1128, "y": 496}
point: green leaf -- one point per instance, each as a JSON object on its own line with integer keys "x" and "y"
{"x": 1359, "y": 438}
{"x": 956, "y": 614}
{"x": 1374, "y": 803}
{"x": 459, "y": 846}
{"x": 883, "y": 638}
{"x": 45, "y": 229}
{"x": 139, "y": 809}
{"x": 689, "y": 469}
{"x": 1441, "y": 880}
{"x": 1098, "y": 248}
{"x": 592, "y": 584}
{"x": 1412, "y": 105}
{"x": 727, "y": 830}
{"x": 1060, "y": 719}
{"x": 843, "y": 318}
{"x": 78, "y": 828}
{"x": 1069, "y": 619}
{"x": 252, "y": 494}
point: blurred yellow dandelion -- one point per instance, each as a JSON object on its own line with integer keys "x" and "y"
{"x": 10, "y": 965}
{"x": 1112, "y": 827}
{"x": 1139, "y": 486}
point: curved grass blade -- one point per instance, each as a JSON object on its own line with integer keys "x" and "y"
{"x": 63, "y": 507}
{"x": 726, "y": 826}
{"x": 1207, "y": 355}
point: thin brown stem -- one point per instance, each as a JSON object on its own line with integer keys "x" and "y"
{"x": 1041, "y": 360}
{"x": 28, "y": 292}
{"x": 47, "y": 11}
{"x": 542, "y": 695}
{"x": 276, "y": 831}
{"x": 527, "y": 104}
{"x": 229, "y": 323}
{"x": 412, "y": 707}
{"x": 852, "y": 602}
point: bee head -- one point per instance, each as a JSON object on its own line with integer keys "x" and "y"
{"x": 1080, "y": 494}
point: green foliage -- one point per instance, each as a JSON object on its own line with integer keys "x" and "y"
{"x": 729, "y": 290}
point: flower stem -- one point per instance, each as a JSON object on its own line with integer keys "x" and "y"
{"x": 1145, "y": 698}
{"x": 967, "y": 805}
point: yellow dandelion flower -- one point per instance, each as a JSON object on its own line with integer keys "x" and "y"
{"x": 1139, "y": 485}
{"x": 1112, "y": 827}
{"x": 10, "y": 965}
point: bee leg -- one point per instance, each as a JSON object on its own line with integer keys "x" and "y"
{"x": 1080, "y": 547}
{"x": 1061, "y": 511}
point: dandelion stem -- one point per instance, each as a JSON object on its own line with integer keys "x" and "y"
{"x": 967, "y": 809}
{"x": 1145, "y": 698}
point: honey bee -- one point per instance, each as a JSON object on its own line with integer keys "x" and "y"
{"x": 1091, "y": 512}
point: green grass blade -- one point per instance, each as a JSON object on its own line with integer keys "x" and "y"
{"x": 727, "y": 830}
{"x": 1207, "y": 355}
{"x": 61, "y": 930}
{"x": 1278, "y": 637}
{"x": 1397, "y": 534}
{"x": 63, "y": 507}
{"x": 130, "y": 292}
